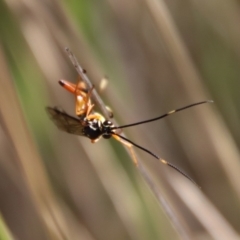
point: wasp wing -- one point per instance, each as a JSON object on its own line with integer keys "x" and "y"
{"x": 65, "y": 122}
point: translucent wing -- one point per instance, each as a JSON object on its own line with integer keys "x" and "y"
{"x": 65, "y": 122}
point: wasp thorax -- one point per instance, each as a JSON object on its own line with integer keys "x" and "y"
{"x": 93, "y": 129}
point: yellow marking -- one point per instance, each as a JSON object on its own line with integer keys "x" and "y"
{"x": 173, "y": 111}
{"x": 97, "y": 116}
{"x": 164, "y": 161}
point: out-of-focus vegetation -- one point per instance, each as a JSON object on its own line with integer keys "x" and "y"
{"x": 4, "y": 232}
{"x": 158, "y": 55}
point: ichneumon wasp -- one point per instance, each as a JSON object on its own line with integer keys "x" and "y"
{"x": 93, "y": 125}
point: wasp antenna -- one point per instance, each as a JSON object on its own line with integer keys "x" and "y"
{"x": 164, "y": 115}
{"x": 158, "y": 158}
{"x": 178, "y": 170}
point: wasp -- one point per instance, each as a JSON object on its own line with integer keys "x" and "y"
{"x": 93, "y": 125}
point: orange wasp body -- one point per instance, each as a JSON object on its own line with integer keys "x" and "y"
{"x": 94, "y": 126}
{"x": 83, "y": 96}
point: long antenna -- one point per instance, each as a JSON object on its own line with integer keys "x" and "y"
{"x": 164, "y": 115}
{"x": 158, "y": 158}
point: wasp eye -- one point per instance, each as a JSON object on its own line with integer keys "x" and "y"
{"x": 107, "y": 123}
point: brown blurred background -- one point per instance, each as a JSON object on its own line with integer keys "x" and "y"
{"x": 158, "y": 56}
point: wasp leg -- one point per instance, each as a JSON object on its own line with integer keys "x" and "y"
{"x": 83, "y": 100}
{"x": 68, "y": 85}
{"x": 110, "y": 112}
{"x": 88, "y": 100}
{"x": 130, "y": 147}
{"x": 95, "y": 140}
{"x": 72, "y": 88}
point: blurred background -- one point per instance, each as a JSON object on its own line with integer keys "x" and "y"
{"x": 157, "y": 55}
